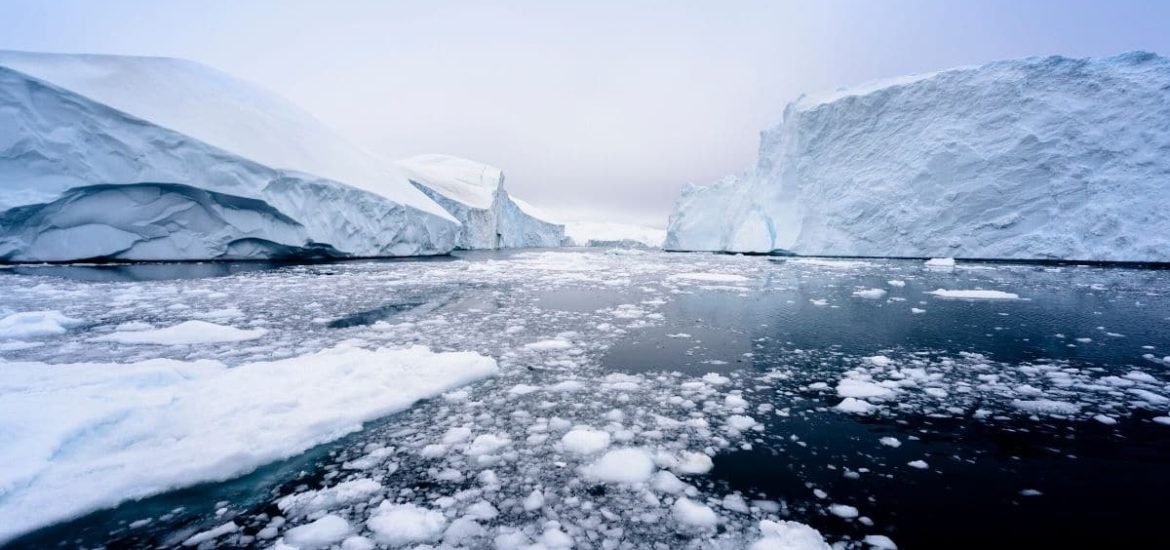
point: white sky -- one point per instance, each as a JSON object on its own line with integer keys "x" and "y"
{"x": 599, "y": 110}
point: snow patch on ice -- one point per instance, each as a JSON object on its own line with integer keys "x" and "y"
{"x": 185, "y": 333}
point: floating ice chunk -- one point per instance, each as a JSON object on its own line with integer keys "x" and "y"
{"x": 869, "y": 293}
{"x": 358, "y": 543}
{"x": 916, "y": 310}
{"x": 890, "y": 442}
{"x": 936, "y": 392}
{"x": 449, "y": 474}
{"x": 693, "y": 463}
{"x": 735, "y": 401}
{"x": 534, "y": 501}
{"x": 456, "y": 435}
{"x": 483, "y": 510}
{"x": 567, "y": 386}
{"x": 628, "y": 311}
{"x": 1149, "y": 396}
{"x": 323, "y": 532}
{"x": 710, "y": 277}
{"x": 456, "y": 396}
{"x": 1047, "y": 406}
{"x": 833, "y": 264}
{"x": 554, "y": 344}
{"x": 689, "y": 512}
{"x": 843, "y": 511}
{"x": 621, "y": 382}
{"x": 585, "y": 441}
{"x": 715, "y": 379}
{"x": 735, "y": 503}
{"x": 433, "y": 451}
{"x": 856, "y": 406}
{"x": 553, "y": 538}
{"x": 487, "y": 444}
{"x": 880, "y": 542}
{"x": 666, "y": 482}
{"x": 626, "y": 466}
{"x": 740, "y": 423}
{"x": 211, "y": 534}
{"x": 974, "y": 294}
{"x": 16, "y": 345}
{"x": 341, "y": 494}
{"x": 920, "y": 464}
{"x": 819, "y": 302}
{"x": 523, "y": 389}
{"x": 1104, "y": 419}
{"x": 463, "y": 531}
{"x": 1030, "y": 493}
{"x": 896, "y": 283}
{"x": 371, "y": 459}
{"x": 1140, "y": 376}
{"x": 861, "y": 389}
{"x": 940, "y": 262}
{"x": 403, "y": 524}
{"x": 35, "y": 324}
{"x": 132, "y": 326}
{"x": 788, "y": 535}
{"x": 190, "y": 421}
{"x": 558, "y": 424}
{"x": 185, "y": 333}
{"x": 512, "y": 539}
{"x": 880, "y": 360}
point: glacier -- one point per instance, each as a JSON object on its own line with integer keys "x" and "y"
{"x": 135, "y": 158}
{"x": 1037, "y": 158}
{"x": 474, "y": 194}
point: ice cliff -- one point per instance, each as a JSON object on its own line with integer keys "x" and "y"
{"x": 129, "y": 158}
{"x": 1039, "y": 158}
{"x": 474, "y": 193}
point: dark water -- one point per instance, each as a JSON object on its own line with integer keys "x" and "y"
{"x": 1102, "y": 486}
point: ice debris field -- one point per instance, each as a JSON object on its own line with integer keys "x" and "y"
{"x": 566, "y": 399}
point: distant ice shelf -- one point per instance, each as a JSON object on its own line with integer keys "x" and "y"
{"x": 591, "y": 233}
{"x": 1039, "y": 158}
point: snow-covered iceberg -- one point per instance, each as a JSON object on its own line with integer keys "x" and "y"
{"x": 474, "y": 193}
{"x": 1034, "y": 158}
{"x": 138, "y": 158}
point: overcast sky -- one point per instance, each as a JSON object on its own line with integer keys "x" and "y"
{"x": 598, "y": 109}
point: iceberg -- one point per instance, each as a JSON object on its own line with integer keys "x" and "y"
{"x": 135, "y": 158}
{"x": 1038, "y": 158}
{"x": 474, "y": 194}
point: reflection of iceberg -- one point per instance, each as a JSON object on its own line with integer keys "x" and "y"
{"x": 474, "y": 193}
{"x": 160, "y": 159}
{"x": 1041, "y": 158}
